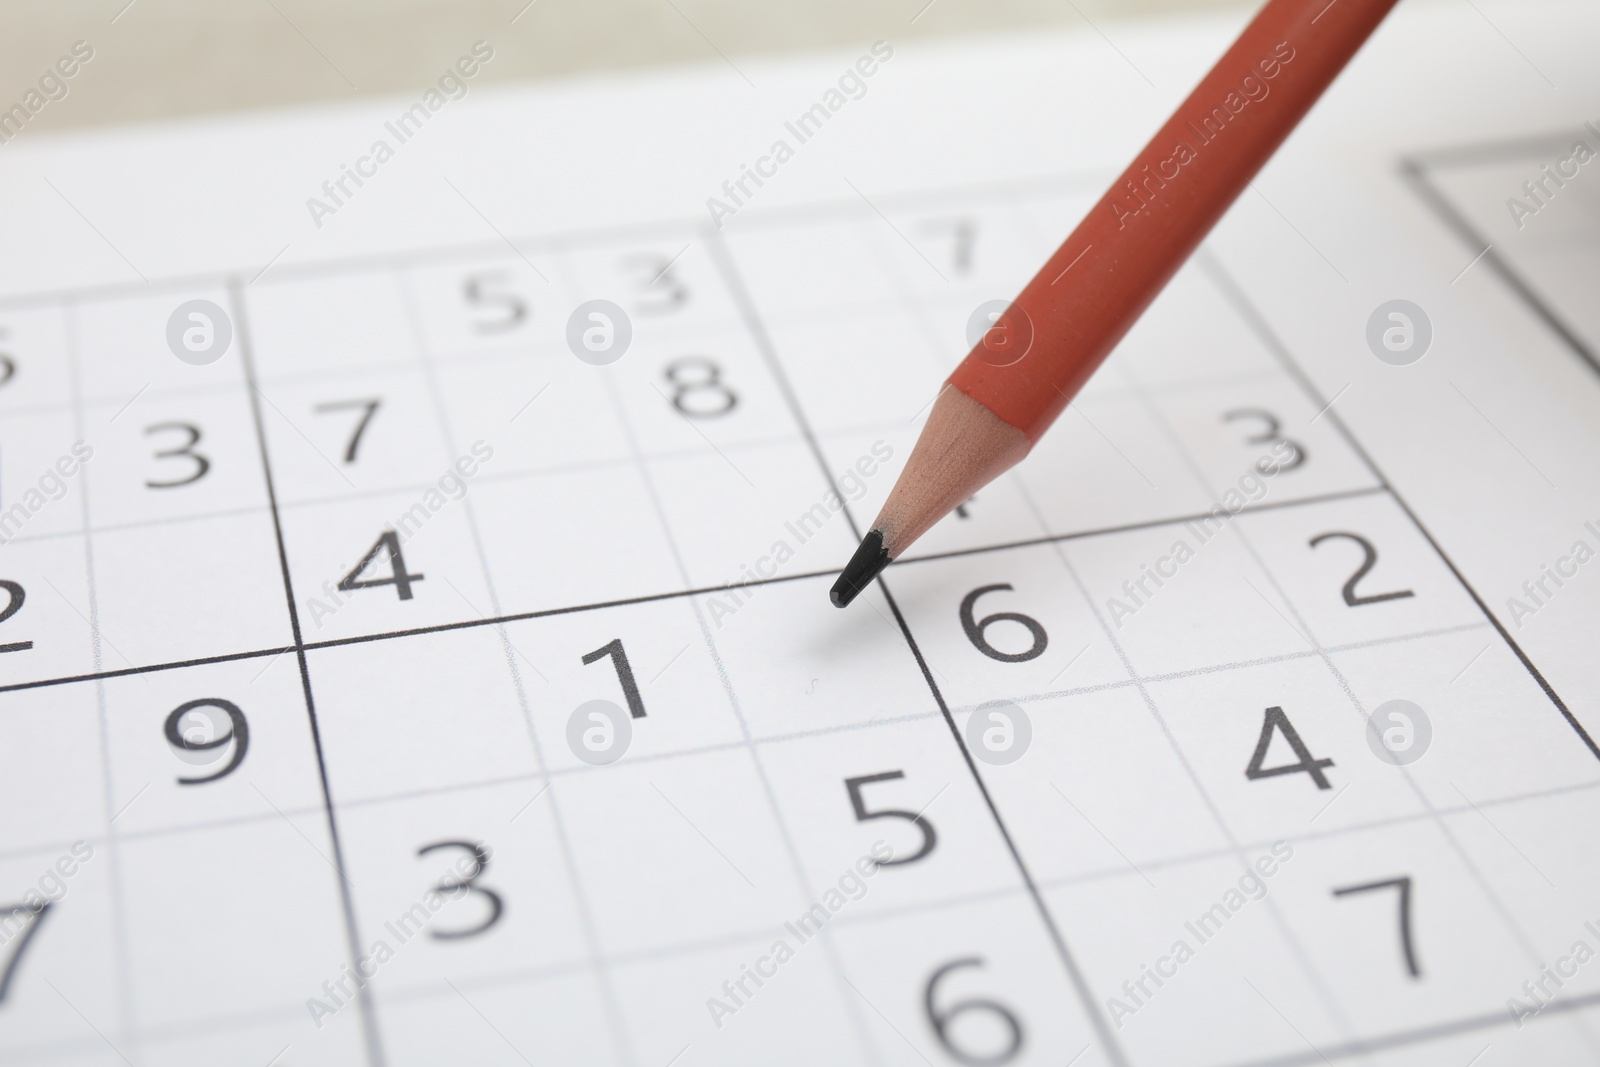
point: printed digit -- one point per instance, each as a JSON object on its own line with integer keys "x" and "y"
{"x": 389, "y": 542}
{"x": 661, "y": 287}
{"x": 183, "y": 451}
{"x": 1275, "y": 719}
{"x": 481, "y": 292}
{"x": 1369, "y": 557}
{"x": 975, "y": 629}
{"x": 700, "y": 376}
{"x": 238, "y": 735}
{"x": 21, "y": 937}
{"x": 1270, "y": 435}
{"x": 619, "y": 660}
{"x": 941, "y": 1019}
{"x": 858, "y": 803}
{"x": 369, "y": 408}
{"x": 14, "y": 598}
{"x": 454, "y": 889}
{"x": 1407, "y": 949}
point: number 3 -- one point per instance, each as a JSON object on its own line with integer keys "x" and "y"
{"x": 1270, "y": 435}
{"x": 183, "y": 451}
{"x": 452, "y": 889}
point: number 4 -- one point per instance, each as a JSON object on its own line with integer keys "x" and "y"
{"x": 1275, "y": 719}
{"x": 390, "y": 541}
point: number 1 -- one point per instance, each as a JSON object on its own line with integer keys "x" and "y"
{"x": 619, "y": 660}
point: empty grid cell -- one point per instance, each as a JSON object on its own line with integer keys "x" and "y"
{"x": 699, "y": 833}
{"x": 751, "y": 513}
{"x": 836, "y": 670}
{"x": 124, "y": 356}
{"x": 1180, "y": 597}
{"x": 313, "y": 327}
{"x": 1101, "y": 791}
{"x": 454, "y": 693}
{"x": 179, "y": 591}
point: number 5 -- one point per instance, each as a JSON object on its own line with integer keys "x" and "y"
{"x": 859, "y": 804}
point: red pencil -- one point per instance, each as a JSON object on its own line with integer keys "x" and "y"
{"x": 1030, "y": 364}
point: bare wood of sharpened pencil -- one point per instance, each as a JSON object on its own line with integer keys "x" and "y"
{"x": 963, "y": 448}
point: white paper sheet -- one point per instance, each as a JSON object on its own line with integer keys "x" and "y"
{"x": 315, "y": 615}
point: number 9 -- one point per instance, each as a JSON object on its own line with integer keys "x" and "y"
{"x": 203, "y": 737}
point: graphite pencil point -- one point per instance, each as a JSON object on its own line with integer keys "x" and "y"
{"x": 868, "y": 562}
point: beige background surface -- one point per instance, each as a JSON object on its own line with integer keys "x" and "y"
{"x": 166, "y": 58}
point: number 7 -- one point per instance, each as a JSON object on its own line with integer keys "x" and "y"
{"x": 361, "y": 425}
{"x": 1404, "y": 885}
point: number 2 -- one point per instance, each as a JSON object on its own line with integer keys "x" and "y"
{"x": 1369, "y": 557}
{"x": 15, "y": 597}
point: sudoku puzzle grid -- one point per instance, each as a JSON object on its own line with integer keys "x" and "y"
{"x": 391, "y": 540}
{"x": 1547, "y": 247}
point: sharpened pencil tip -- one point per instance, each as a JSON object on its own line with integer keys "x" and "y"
{"x": 864, "y": 566}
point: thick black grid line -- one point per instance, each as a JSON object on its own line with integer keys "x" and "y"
{"x": 1264, "y": 330}
{"x": 768, "y": 740}
{"x": 600, "y": 605}
{"x": 369, "y": 1025}
{"x": 758, "y": 331}
{"x": 1415, "y": 172}
{"x": 1257, "y": 322}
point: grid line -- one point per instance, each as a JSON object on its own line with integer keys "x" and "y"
{"x": 364, "y": 1005}
{"x": 735, "y": 283}
{"x": 301, "y": 647}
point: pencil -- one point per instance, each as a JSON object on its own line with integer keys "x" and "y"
{"x": 1029, "y": 365}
